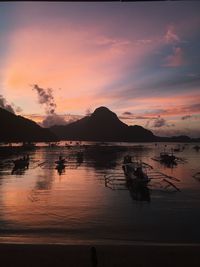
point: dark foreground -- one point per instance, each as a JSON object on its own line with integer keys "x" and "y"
{"x": 118, "y": 256}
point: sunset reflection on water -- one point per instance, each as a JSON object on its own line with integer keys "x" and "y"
{"x": 76, "y": 205}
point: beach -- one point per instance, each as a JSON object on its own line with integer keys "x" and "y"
{"x": 107, "y": 255}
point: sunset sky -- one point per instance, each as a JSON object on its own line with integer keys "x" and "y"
{"x": 141, "y": 60}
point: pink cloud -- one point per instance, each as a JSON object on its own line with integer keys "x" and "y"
{"x": 150, "y": 107}
{"x": 171, "y": 37}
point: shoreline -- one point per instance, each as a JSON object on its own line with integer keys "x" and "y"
{"x": 99, "y": 244}
{"x": 108, "y": 255}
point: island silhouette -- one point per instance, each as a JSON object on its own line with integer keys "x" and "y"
{"x": 19, "y": 129}
{"x": 102, "y": 125}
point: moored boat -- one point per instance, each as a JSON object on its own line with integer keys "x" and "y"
{"x": 21, "y": 162}
{"x": 167, "y": 158}
{"x": 134, "y": 172}
{"x": 60, "y": 163}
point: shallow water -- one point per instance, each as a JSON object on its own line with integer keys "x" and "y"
{"x": 39, "y": 205}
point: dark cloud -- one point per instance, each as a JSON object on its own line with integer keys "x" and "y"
{"x": 186, "y": 117}
{"x": 144, "y": 118}
{"x": 46, "y": 98}
{"x": 127, "y": 113}
{"x": 130, "y": 115}
{"x": 5, "y": 105}
{"x": 133, "y": 117}
{"x": 159, "y": 122}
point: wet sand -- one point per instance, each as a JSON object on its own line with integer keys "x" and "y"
{"x": 107, "y": 255}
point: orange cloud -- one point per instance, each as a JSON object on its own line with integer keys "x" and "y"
{"x": 81, "y": 63}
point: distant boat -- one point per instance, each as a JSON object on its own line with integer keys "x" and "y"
{"x": 53, "y": 145}
{"x": 60, "y": 164}
{"x": 166, "y": 158}
{"x": 21, "y": 163}
{"x": 28, "y": 145}
{"x": 177, "y": 149}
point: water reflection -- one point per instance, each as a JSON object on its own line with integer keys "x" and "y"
{"x": 170, "y": 165}
{"x": 102, "y": 157}
{"x": 18, "y": 171}
{"x": 45, "y": 177}
{"x": 43, "y": 183}
{"x": 75, "y": 158}
{"x": 140, "y": 193}
{"x": 60, "y": 169}
{"x": 74, "y": 199}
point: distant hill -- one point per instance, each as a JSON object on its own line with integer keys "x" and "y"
{"x": 103, "y": 125}
{"x": 17, "y": 128}
{"x": 179, "y": 138}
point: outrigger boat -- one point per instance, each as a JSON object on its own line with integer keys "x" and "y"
{"x": 137, "y": 176}
{"x": 167, "y": 159}
{"x": 60, "y": 163}
{"x": 135, "y": 172}
{"x": 21, "y": 163}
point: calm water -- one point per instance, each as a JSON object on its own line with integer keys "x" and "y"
{"x": 40, "y": 205}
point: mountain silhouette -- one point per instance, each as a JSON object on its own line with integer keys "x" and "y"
{"x": 102, "y": 125}
{"x": 18, "y": 129}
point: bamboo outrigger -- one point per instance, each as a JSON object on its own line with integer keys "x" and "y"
{"x": 138, "y": 175}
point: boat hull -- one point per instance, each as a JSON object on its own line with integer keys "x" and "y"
{"x": 133, "y": 179}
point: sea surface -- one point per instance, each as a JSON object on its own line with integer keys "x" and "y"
{"x": 76, "y": 206}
